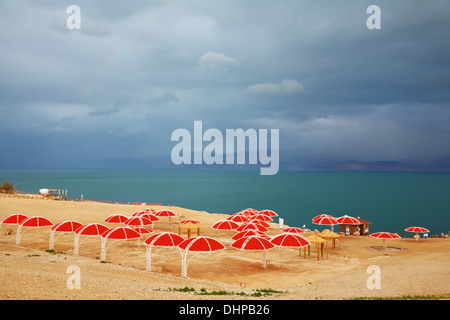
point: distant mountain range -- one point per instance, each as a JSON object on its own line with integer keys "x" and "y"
{"x": 325, "y": 161}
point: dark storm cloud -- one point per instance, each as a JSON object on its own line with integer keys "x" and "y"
{"x": 138, "y": 70}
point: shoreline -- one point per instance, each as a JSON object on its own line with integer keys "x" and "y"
{"x": 419, "y": 269}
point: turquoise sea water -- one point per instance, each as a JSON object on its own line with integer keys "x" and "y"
{"x": 392, "y": 201}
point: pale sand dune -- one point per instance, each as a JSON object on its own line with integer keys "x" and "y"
{"x": 28, "y": 272}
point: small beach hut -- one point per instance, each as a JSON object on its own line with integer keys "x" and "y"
{"x": 189, "y": 226}
{"x": 362, "y": 226}
{"x": 333, "y": 236}
{"x": 320, "y": 243}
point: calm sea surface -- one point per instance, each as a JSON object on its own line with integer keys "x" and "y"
{"x": 392, "y": 201}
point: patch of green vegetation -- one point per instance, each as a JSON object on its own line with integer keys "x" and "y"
{"x": 34, "y": 255}
{"x": 7, "y": 187}
{"x": 204, "y": 292}
{"x": 7, "y": 254}
{"x": 104, "y": 261}
{"x": 54, "y": 252}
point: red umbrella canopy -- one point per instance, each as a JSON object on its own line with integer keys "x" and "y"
{"x": 290, "y": 240}
{"x": 138, "y": 221}
{"x": 329, "y": 221}
{"x": 253, "y": 243}
{"x": 36, "y": 222}
{"x": 249, "y": 233}
{"x": 239, "y": 218}
{"x": 347, "y": 220}
{"x": 248, "y": 212}
{"x": 261, "y": 217}
{"x": 150, "y": 216}
{"x": 142, "y": 230}
{"x": 166, "y": 213}
{"x": 269, "y": 213}
{"x": 164, "y": 239}
{"x": 259, "y": 222}
{"x": 251, "y": 226}
{"x": 191, "y": 221}
{"x": 384, "y": 235}
{"x": 16, "y": 218}
{"x": 116, "y": 218}
{"x": 67, "y": 226}
{"x": 201, "y": 244}
{"x": 225, "y": 225}
{"x": 417, "y": 229}
{"x": 121, "y": 233}
{"x": 320, "y": 216}
{"x": 92, "y": 229}
{"x": 293, "y": 230}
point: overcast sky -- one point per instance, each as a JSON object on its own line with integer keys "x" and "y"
{"x": 112, "y": 92}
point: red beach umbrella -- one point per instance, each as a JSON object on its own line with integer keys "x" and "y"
{"x": 259, "y": 222}
{"x": 119, "y": 233}
{"x": 197, "y": 245}
{"x": 239, "y": 218}
{"x": 290, "y": 240}
{"x": 417, "y": 229}
{"x": 384, "y": 236}
{"x": 249, "y": 233}
{"x": 261, "y": 217}
{"x": 225, "y": 225}
{"x": 254, "y": 243}
{"x": 164, "y": 239}
{"x": 161, "y": 240}
{"x": 150, "y": 216}
{"x": 32, "y": 222}
{"x": 248, "y": 212}
{"x": 320, "y": 216}
{"x": 347, "y": 220}
{"x": 138, "y": 221}
{"x": 191, "y": 221}
{"x": 88, "y": 230}
{"x": 142, "y": 230}
{"x": 269, "y": 213}
{"x": 91, "y": 229}
{"x": 166, "y": 213}
{"x": 16, "y": 218}
{"x": 116, "y": 218}
{"x": 293, "y": 230}
{"x": 36, "y": 222}
{"x": 325, "y": 220}
{"x": 68, "y": 226}
{"x": 251, "y": 226}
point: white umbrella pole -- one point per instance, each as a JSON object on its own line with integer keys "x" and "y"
{"x": 52, "y": 240}
{"x": 19, "y": 231}
{"x": 148, "y": 264}
{"x": 103, "y": 250}
{"x": 76, "y": 244}
{"x": 264, "y": 260}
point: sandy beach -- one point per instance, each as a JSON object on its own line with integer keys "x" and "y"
{"x": 29, "y": 272}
